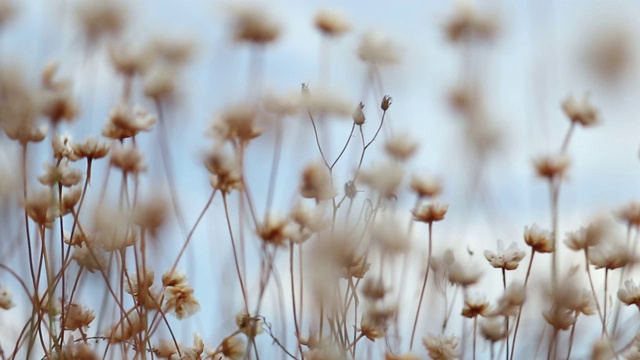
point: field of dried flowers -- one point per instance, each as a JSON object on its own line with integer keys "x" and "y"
{"x": 318, "y": 235}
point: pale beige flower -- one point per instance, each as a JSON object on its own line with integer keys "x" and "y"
{"x": 358, "y": 114}
{"x": 511, "y": 300}
{"x": 231, "y": 348}
{"x": 77, "y": 317}
{"x": 249, "y": 325}
{"x": 63, "y": 147}
{"x": 18, "y": 112}
{"x": 235, "y": 123}
{"x": 375, "y": 321}
{"x": 113, "y": 228}
{"x": 425, "y": 186}
{"x": 126, "y": 59}
{"x": 332, "y": 22}
{"x": 254, "y": 25}
{"x": 539, "y": 239}
{"x": 492, "y": 329}
{"x": 128, "y": 159}
{"x": 389, "y": 234}
{"x": 124, "y": 122}
{"x": 160, "y": 80}
{"x": 629, "y": 214}
{"x": 151, "y": 213}
{"x": 288, "y": 104}
{"x": 195, "y": 352}
{"x": 165, "y": 349}
{"x": 225, "y": 170}
{"x": 316, "y": 182}
{"x": 324, "y": 102}
{"x": 101, "y": 18}
{"x": 441, "y": 347}
{"x": 6, "y": 298}
{"x": 561, "y": 319}
{"x": 378, "y": 49}
{"x": 611, "y": 255}
{"x": 41, "y": 207}
{"x": 474, "y": 307}
{"x": 174, "y": 277}
{"x": 580, "y": 111}
{"x": 55, "y": 99}
{"x": 129, "y": 326}
{"x": 579, "y": 240}
{"x": 91, "y": 148}
{"x": 384, "y": 177}
{"x": 313, "y": 219}
{"x": 401, "y": 146}
{"x": 507, "y": 259}
{"x": 463, "y": 274}
{"x": 630, "y": 294}
{"x": 275, "y": 229}
{"x": 552, "y": 166}
{"x": 430, "y": 213}
{"x": 180, "y": 301}
{"x": 91, "y": 255}
{"x": 73, "y": 350}
{"x": 405, "y": 356}
{"x": 61, "y": 174}
{"x": 466, "y": 25}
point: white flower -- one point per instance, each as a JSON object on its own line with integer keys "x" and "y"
{"x": 538, "y": 238}
{"x": 580, "y": 111}
{"x": 377, "y": 49}
{"x": 630, "y": 294}
{"x": 383, "y": 177}
{"x": 508, "y": 259}
{"x": 441, "y": 347}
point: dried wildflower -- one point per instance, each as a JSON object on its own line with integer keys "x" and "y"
{"x": 400, "y": 146}
{"x": 630, "y": 294}
{"x": 474, "y": 307}
{"x": 358, "y": 115}
{"x": 384, "y": 177}
{"x": 18, "y": 112}
{"x": 332, "y": 22}
{"x": 56, "y": 101}
{"x": 629, "y": 214}
{"x": 180, "y": 301}
{"x": 91, "y": 148}
{"x": 159, "y": 80}
{"x": 464, "y": 99}
{"x": 128, "y": 159}
{"x": 113, "y": 228}
{"x": 552, "y": 166}
{"x": 610, "y": 52}
{"x": 466, "y": 24}
{"x": 63, "y": 147}
{"x": 151, "y": 213}
{"x": 91, "y": 256}
{"x": 225, "y": 170}
{"x": 493, "y": 329}
{"x": 389, "y": 234}
{"x": 77, "y": 317}
{"x": 127, "y": 60}
{"x": 165, "y": 349}
{"x": 124, "y": 122}
{"x": 377, "y": 49}
{"x": 235, "y": 123}
{"x": 312, "y": 219}
{"x": 386, "y": 102}
{"x": 174, "y": 277}
{"x": 511, "y": 301}
{"x": 61, "y": 174}
{"x": 194, "y": 352}
{"x": 579, "y": 300}
{"x": 101, "y": 19}
{"x": 6, "y": 299}
{"x": 539, "y": 239}
{"x": 375, "y": 321}
{"x": 425, "y": 186}
{"x": 254, "y": 25}
{"x": 463, "y": 275}
{"x": 274, "y": 230}
{"x": 327, "y": 352}
{"x": 248, "y": 325}
{"x": 578, "y": 240}
{"x": 316, "y": 182}
{"x": 581, "y": 112}
{"x": 138, "y": 281}
{"x": 441, "y": 347}
{"x": 41, "y": 207}
{"x": 613, "y": 255}
{"x": 128, "y": 327}
{"x": 374, "y": 289}
{"x": 73, "y": 350}
{"x": 560, "y": 319}
{"x": 173, "y": 50}
{"x": 325, "y": 102}
{"x": 507, "y": 259}
{"x": 430, "y": 212}
{"x": 231, "y": 348}
{"x": 283, "y": 105}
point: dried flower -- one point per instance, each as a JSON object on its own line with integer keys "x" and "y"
{"x": 130, "y": 325}
{"x": 312, "y": 219}
{"x": 463, "y": 275}
{"x": 174, "y": 277}
{"x": 91, "y": 148}
{"x": 581, "y": 112}
{"x": 151, "y": 213}
{"x": 288, "y": 104}
{"x": 248, "y": 325}
{"x": 561, "y": 319}
{"x": 77, "y": 317}
{"x": 254, "y": 25}
{"x": 612, "y": 255}
{"x": 235, "y": 123}
{"x": 474, "y": 307}
{"x": 180, "y": 301}
{"x": 507, "y": 259}
{"x": 56, "y": 101}
{"x": 511, "y": 301}
{"x": 18, "y": 112}
{"x": 6, "y": 299}
{"x": 405, "y": 356}
{"x": 165, "y": 349}
{"x": 377, "y": 49}
{"x": 387, "y": 232}
{"x": 41, "y": 207}
{"x": 466, "y": 24}
{"x": 101, "y": 18}
{"x": 61, "y": 174}
{"x": 401, "y": 146}
{"x": 630, "y": 294}
{"x": 90, "y": 256}
{"x": 375, "y": 321}
{"x": 630, "y": 214}
{"x": 159, "y": 80}
{"x": 386, "y": 102}
{"x": 430, "y": 212}
{"x": 552, "y": 166}
{"x": 194, "y": 352}
{"x": 325, "y": 102}
{"x": 316, "y": 182}
{"x": 231, "y": 348}
{"x": 76, "y": 351}
{"x": 358, "y": 115}
{"x": 274, "y": 230}
{"x": 124, "y": 122}
{"x": 384, "y": 177}
{"x": 441, "y": 347}
{"x": 332, "y": 22}
{"x": 127, "y": 60}
{"x": 128, "y": 158}
{"x": 425, "y": 186}
{"x": 493, "y": 329}
{"x": 539, "y": 239}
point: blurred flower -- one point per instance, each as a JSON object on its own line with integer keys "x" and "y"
{"x": 581, "y": 112}
{"x": 77, "y": 317}
{"x": 552, "y": 166}
{"x": 560, "y": 319}
{"x": 41, "y": 207}
{"x": 384, "y": 177}
{"x": 101, "y": 18}
{"x": 235, "y": 123}
{"x": 332, "y": 22}
{"x": 377, "y": 49}
{"x": 316, "y": 182}
{"x": 253, "y": 25}
{"x": 358, "y": 114}
{"x": 539, "y": 239}
{"x": 474, "y": 307}
{"x": 508, "y": 259}
{"x": 90, "y": 148}
{"x": 430, "y": 212}
{"x": 124, "y": 122}
{"x": 464, "y": 274}
{"x": 401, "y": 146}
{"x": 61, "y": 174}
{"x": 248, "y": 325}
{"x": 128, "y": 159}
{"x": 231, "y": 348}
{"x": 630, "y": 294}
{"x": 493, "y": 329}
{"x": 441, "y": 347}
{"x": 6, "y": 299}
{"x": 466, "y": 24}
{"x": 180, "y": 301}
{"x": 425, "y": 186}
{"x": 510, "y": 302}
{"x": 630, "y": 214}
{"x": 612, "y": 255}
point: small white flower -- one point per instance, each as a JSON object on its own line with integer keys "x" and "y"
{"x": 508, "y": 259}
{"x": 580, "y": 111}
{"x": 630, "y": 294}
{"x": 441, "y": 347}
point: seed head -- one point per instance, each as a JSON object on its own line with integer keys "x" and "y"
{"x": 386, "y": 102}
{"x": 358, "y": 114}
{"x": 332, "y": 22}
{"x": 441, "y": 347}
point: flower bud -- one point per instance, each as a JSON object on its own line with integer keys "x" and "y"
{"x": 358, "y": 115}
{"x": 386, "y": 102}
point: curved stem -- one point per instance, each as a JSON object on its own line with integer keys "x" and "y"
{"x": 424, "y": 286}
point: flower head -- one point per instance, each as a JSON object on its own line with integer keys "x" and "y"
{"x": 630, "y": 214}
{"x": 425, "y": 186}
{"x": 539, "y": 239}
{"x": 580, "y": 111}
{"x": 441, "y": 347}
{"x": 6, "y": 299}
{"x": 377, "y": 49}
{"x": 332, "y": 22}
{"x": 254, "y": 25}
{"x": 552, "y": 166}
{"x": 630, "y": 294}
{"x": 430, "y": 212}
{"x": 507, "y": 259}
{"x": 401, "y": 146}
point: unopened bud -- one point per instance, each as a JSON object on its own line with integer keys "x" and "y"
{"x": 305, "y": 90}
{"x": 350, "y": 189}
{"x": 386, "y": 102}
{"x": 358, "y": 115}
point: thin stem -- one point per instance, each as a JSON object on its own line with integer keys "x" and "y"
{"x": 571, "y": 337}
{"x": 506, "y": 318}
{"x": 606, "y": 285}
{"x": 235, "y": 253}
{"x": 424, "y": 286}
{"x": 515, "y": 332}
{"x": 293, "y": 298}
